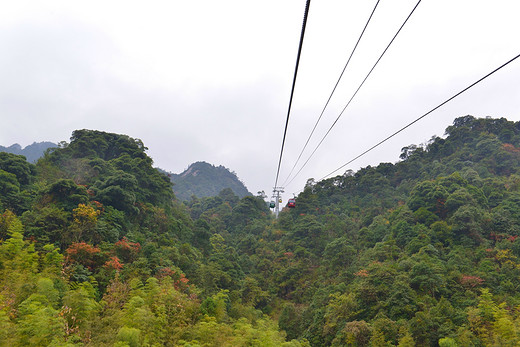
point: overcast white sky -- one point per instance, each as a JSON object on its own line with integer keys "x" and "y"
{"x": 210, "y": 80}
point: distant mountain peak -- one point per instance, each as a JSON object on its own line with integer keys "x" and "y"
{"x": 32, "y": 152}
{"x": 190, "y": 171}
{"x": 15, "y": 147}
{"x": 202, "y": 179}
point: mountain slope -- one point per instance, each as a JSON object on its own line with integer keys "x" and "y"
{"x": 95, "y": 250}
{"x": 415, "y": 251}
{"x": 202, "y": 180}
{"x": 423, "y": 252}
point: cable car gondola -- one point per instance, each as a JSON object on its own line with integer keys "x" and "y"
{"x": 272, "y": 204}
{"x": 291, "y": 203}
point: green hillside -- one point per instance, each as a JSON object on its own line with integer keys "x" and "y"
{"x": 202, "y": 180}
{"x": 97, "y": 251}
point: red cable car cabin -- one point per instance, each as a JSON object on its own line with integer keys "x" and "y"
{"x": 291, "y": 203}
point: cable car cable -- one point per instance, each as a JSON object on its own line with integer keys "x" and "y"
{"x": 307, "y": 4}
{"x": 330, "y": 96}
{"x": 355, "y": 93}
{"x": 421, "y": 117}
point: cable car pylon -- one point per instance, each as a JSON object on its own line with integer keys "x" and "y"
{"x": 277, "y": 200}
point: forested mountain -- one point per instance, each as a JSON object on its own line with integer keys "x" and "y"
{"x": 424, "y": 252}
{"x": 202, "y": 180}
{"x": 97, "y": 251}
{"x": 32, "y": 152}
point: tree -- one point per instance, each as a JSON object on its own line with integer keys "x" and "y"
{"x": 18, "y": 166}
{"x": 84, "y": 222}
{"x": 67, "y": 194}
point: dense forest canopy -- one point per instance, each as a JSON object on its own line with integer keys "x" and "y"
{"x": 96, "y": 250}
{"x": 199, "y": 180}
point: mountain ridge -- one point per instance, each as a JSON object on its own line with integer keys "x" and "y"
{"x": 31, "y": 152}
{"x": 202, "y": 179}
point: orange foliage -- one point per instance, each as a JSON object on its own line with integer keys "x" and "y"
{"x": 471, "y": 281}
{"x": 82, "y": 253}
{"x": 180, "y": 282}
{"x": 510, "y": 148}
{"x": 113, "y": 263}
{"x": 361, "y": 273}
{"x": 126, "y": 250}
